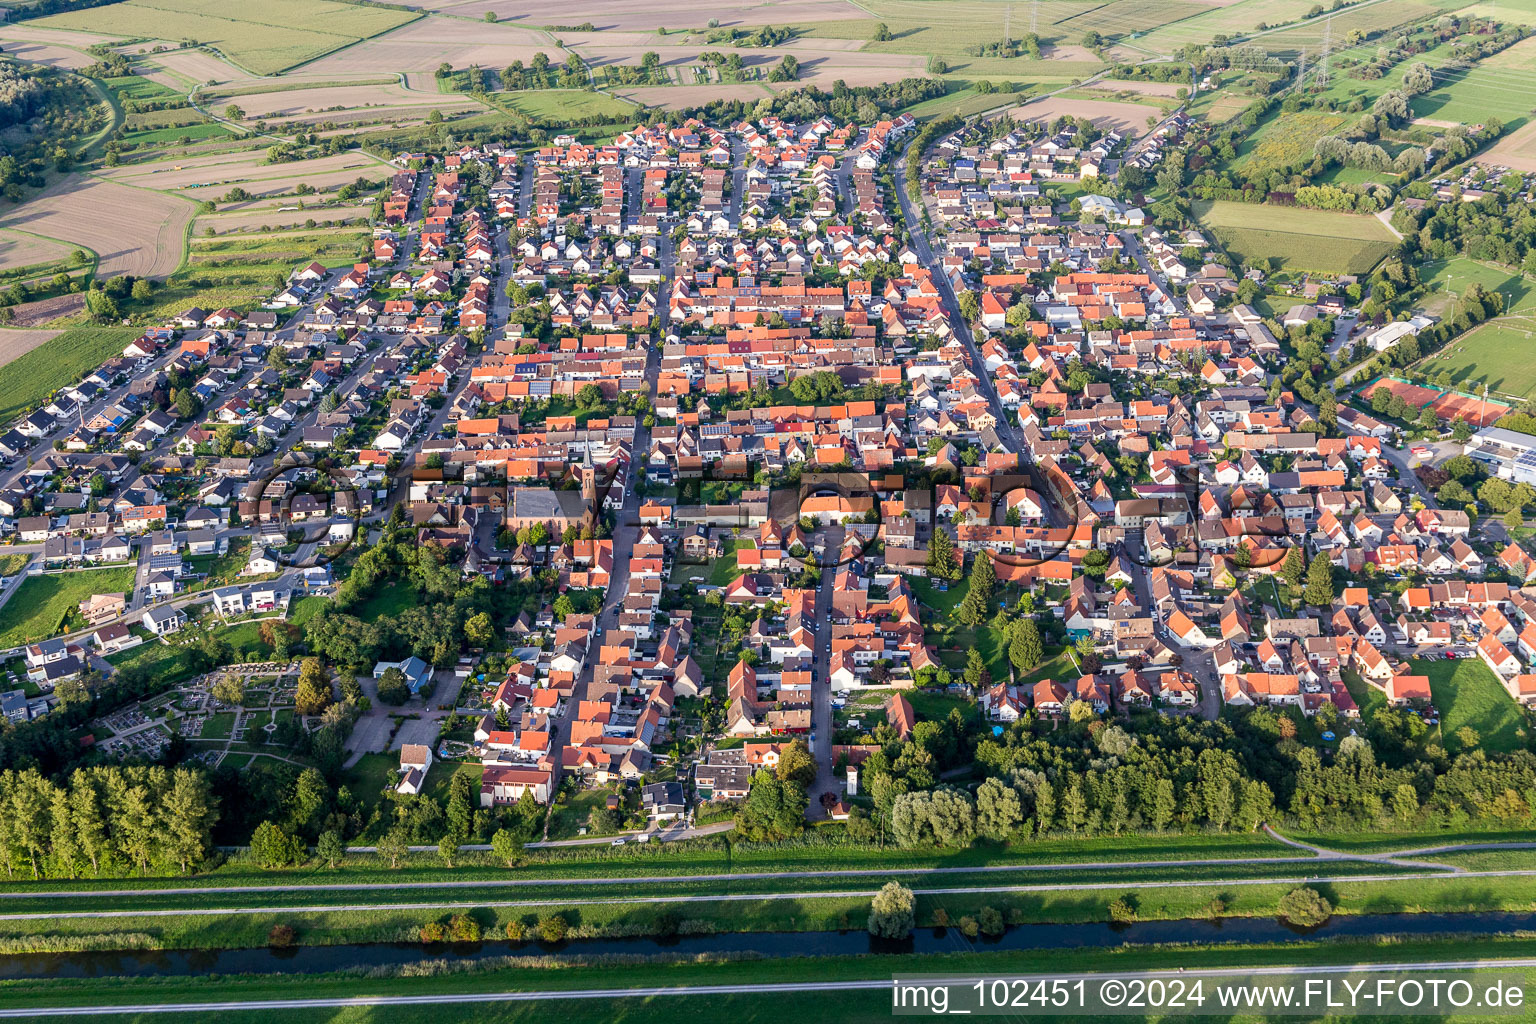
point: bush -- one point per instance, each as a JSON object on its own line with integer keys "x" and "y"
{"x": 890, "y": 912}
{"x": 1305, "y": 907}
{"x": 553, "y": 928}
{"x": 516, "y": 931}
{"x": 991, "y": 921}
{"x": 281, "y": 936}
{"x": 970, "y": 927}
{"x": 433, "y": 931}
{"x": 463, "y": 928}
{"x": 1121, "y": 910}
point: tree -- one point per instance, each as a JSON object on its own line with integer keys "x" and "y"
{"x": 999, "y": 810}
{"x": 313, "y": 694}
{"x": 506, "y": 847}
{"x": 1292, "y": 567}
{"x": 1305, "y": 907}
{"x": 942, "y": 560}
{"x": 891, "y": 912}
{"x": 187, "y": 815}
{"x": 1026, "y": 649}
{"x": 230, "y": 689}
{"x": 976, "y": 674}
{"x": 882, "y": 33}
{"x": 392, "y": 846}
{"x": 774, "y": 809}
{"x": 330, "y": 848}
{"x": 448, "y": 848}
{"x": 1319, "y": 589}
{"x": 553, "y": 928}
{"x": 274, "y": 848}
{"x": 796, "y": 765}
{"x": 589, "y": 396}
{"x": 393, "y": 688}
{"x": 480, "y": 630}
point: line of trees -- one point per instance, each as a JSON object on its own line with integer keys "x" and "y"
{"x": 108, "y": 820}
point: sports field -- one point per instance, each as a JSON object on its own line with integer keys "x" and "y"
{"x": 1300, "y": 239}
{"x": 1501, "y": 354}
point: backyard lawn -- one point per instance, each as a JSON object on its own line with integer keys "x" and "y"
{"x": 1468, "y": 694}
{"x": 41, "y": 603}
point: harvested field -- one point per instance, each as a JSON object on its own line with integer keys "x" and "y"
{"x": 49, "y": 54}
{"x": 132, "y": 230}
{"x": 692, "y": 95}
{"x": 32, "y": 32}
{"x": 639, "y": 15}
{"x": 14, "y": 343}
{"x": 198, "y": 67}
{"x": 1164, "y": 90}
{"x": 299, "y": 102}
{"x": 227, "y": 169}
{"x": 1517, "y": 150}
{"x": 30, "y": 314}
{"x": 1130, "y": 119}
{"x": 18, "y": 250}
{"x": 423, "y": 45}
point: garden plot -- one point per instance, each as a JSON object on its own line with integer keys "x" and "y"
{"x": 132, "y": 230}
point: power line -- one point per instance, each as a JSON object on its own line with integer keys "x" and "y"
{"x": 1322, "y": 69}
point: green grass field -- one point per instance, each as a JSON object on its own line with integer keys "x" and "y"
{"x": 1468, "y": 694}
{"x": 553, "y": 105}
{"x": 261, "y": 36}
{"x": 1497, "y": 354}
{"x": 42, "y": 602}
{"x": 1300, "y": 239}
{"x": 58, "y": 362}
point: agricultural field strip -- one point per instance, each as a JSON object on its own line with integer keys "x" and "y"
{"x": 1449, "y": 874}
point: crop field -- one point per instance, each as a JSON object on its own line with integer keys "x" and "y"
{"x": 1129, "y": 119}
{"x": 1284, "y": 139}
{"x": 62, "y": 360}
{"x": 50, "y": 54}
{"x": 262, "y": 37}
{"x": 134, "y": 231}
{"x": 1375, "y": 18}
{"x": 17, "y": 343}
{"x": 424, "y": 44}
{"x": 211, "y": 177}
{"x": 325, "y": 100}
{"x": 1468, "y": 694}
{"x": 1231, "y": 19}
{"x": 640, "y": 14}
{"x": 18, "y": 250}
{"x": 1300, "y": 239}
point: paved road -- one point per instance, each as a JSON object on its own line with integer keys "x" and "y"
{"x": 756, "y": 989}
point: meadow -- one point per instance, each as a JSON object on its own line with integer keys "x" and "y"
{"x": 28, "y": 379}
{"x": 1299, "y": 239}
{"x": 1285, "y": 139}
{"x": 41, "y": 603}
{"x": 1467, "y": 694}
